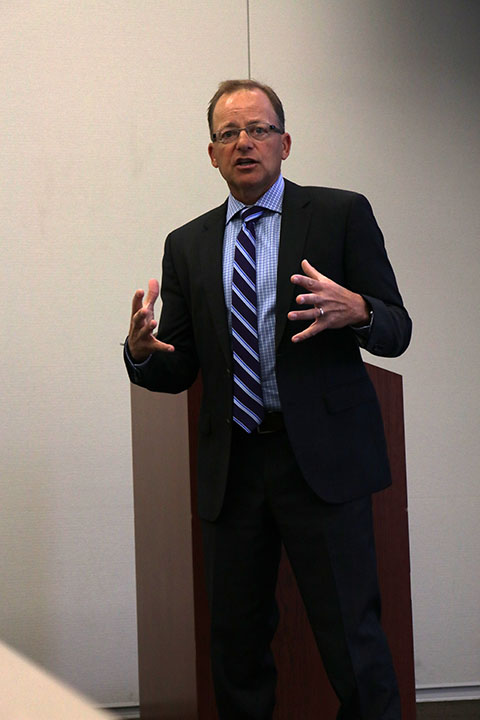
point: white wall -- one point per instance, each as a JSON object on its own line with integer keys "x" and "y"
{"x": 103, "y": 135}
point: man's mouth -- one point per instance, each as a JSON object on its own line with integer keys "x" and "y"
{"x": 245, "y": 161}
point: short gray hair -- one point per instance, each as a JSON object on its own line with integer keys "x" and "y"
{"x": 227, "y": 87}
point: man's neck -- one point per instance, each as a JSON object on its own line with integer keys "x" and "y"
{"x": 252, "y": 199}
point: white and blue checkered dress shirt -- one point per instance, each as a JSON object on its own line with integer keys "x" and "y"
{"x": 267, "y": 232}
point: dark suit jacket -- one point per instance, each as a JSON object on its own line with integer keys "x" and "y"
{"x": 329, "y": 404}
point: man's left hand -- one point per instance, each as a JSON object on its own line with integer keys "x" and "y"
{"x": 334, "y": 306}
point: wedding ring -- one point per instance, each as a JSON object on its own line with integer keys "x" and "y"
{"x": 322, "y": 311}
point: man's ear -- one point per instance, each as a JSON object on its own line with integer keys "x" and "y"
{"x": 286, "y": 145}
{"x": 211, "y": 152}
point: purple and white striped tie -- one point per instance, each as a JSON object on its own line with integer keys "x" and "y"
{"x": 248, "y": 410}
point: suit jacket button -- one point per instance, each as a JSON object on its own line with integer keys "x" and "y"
{"x": 228, "y": 421}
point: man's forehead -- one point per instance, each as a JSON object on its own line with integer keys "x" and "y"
{"x": 243, "y": 101}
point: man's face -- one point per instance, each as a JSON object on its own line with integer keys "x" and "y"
{"x": 249, "y": 167}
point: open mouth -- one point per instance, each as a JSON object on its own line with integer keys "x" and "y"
{"x": 245, "y": 162}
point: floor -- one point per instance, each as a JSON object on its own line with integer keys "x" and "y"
{"x": 459, "y": 710}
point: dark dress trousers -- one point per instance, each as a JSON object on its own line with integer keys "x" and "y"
{"x": 318, "y": 476}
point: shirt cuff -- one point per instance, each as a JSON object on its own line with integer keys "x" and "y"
{"x": 363, "y": 331}
{"x": 130, "y": 359}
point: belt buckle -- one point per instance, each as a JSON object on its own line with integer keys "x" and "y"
{"x": 264, "y": 432}
{"x": 275, "y": 424}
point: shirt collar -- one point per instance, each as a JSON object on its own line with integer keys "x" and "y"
{"x": 271, "y": 200}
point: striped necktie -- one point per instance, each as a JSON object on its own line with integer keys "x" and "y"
{"x": 248, "y": 408}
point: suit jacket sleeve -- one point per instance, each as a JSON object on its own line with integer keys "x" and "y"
{"x": 368, "y": 272}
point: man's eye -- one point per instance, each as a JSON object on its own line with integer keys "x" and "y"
{"x": 227, "y": 134}
{"x": 258, "y": 130}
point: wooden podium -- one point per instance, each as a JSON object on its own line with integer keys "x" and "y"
{"x": 173, "y": 635}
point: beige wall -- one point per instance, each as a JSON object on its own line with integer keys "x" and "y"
{"x": 103, "y": 138}
{"x": 383, "y": 97}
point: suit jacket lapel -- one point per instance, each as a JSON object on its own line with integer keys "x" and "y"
{"x": 212, "y": 271}
{"x": 296, "y": 213}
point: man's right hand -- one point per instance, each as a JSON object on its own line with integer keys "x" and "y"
{"x": 141, "y": 342}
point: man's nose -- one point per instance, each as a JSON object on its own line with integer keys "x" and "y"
{"x": 244, "y": 139}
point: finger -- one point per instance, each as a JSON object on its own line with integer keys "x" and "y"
{"x": 143, "y": 321}
{"x": 312, "y": 272}
{"x": 153, "y": 290}
{"x": 307, "y": 282}
{"x": 143, "y": 344}
{"x": 315, "y": 313}
{"x": 310, "y": 299}
{"x": 161, "y": 346}
{"x": 141, "y": 351}
{"x": 309, "y": 332}
{"x": 137, "y": 301}
{"x": 314, "y": 284}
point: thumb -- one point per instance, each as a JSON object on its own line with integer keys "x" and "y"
{"x": 310, "y": 271}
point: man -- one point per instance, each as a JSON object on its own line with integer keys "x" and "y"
{"x": 271, "y": 304}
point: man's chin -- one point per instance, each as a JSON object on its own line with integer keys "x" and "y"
{"x": 247, "y": 192}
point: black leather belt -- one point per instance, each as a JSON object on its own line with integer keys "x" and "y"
{"x": 272, "y": 423}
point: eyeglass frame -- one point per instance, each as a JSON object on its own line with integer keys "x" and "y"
{"x": 271, "y": 128}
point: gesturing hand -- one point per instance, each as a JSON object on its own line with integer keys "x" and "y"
{"x": 141, "y": 342}
{"x": 333, "y": 305}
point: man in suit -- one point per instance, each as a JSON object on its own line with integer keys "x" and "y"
{"x": 300, "y": 466}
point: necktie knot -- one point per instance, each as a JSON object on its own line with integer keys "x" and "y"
{"x": 250, "y": 214}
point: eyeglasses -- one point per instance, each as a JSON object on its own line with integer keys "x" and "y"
{"x": 256, "y": 131}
